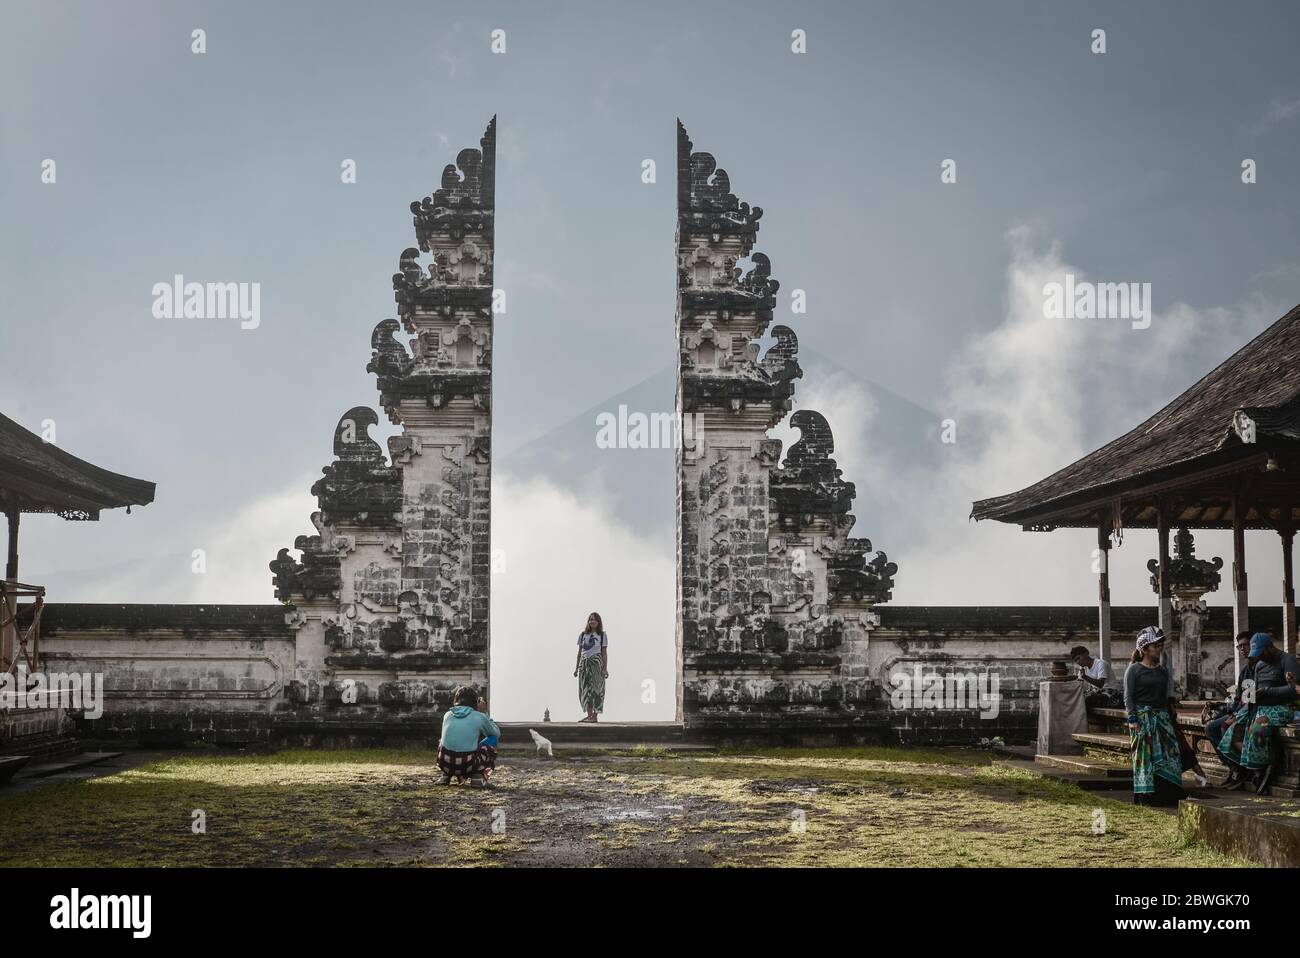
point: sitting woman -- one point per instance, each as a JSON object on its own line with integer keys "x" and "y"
{"x": 1265, "y": 707}
{"x": 469, "y": 736}
{"x": 1148, "y": 692}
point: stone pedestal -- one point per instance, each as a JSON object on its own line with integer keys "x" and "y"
{"x": 1061, "y": 713}
{"x": 1186, "y": 649}
{"x": 1188, "y": 578}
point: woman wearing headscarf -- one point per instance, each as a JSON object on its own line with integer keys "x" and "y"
{"x": 592, "y": 667}
{"x": 1148, "y": 693}
{"x": 1266, "y": 705}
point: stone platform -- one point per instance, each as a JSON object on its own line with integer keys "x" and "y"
{"x": 34, "y": 735}
{"x": 1264, "y": 830}
{"x": 581, "y": 736}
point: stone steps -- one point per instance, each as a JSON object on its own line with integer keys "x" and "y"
{"x": 516, "y": 747}
{"x": 9, "y": 766}
{"x": 598, "y": 734}
{"x": 58, "y": 767}
{"x": 1087, "y": 782}
{"x": 1089, "y": 767}
{"x": 46, "y": 745}
{"x": 1104, "y": 741}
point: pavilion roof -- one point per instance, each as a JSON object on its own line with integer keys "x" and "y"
{"x": 1235, "y": 418}
{"x": 38, "y": 476}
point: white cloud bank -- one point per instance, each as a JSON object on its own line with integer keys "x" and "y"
{"x": 566, "y": 556}
{"x": 1028, "y": 398}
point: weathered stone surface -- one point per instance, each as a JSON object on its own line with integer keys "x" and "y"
{"x": 391, "y": 596}
{"x": 774, "y": 598}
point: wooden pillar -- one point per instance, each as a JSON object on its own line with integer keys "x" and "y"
{"x": 1103, "y": 593}
{"x": 1240, "y": 601}
{"x": 11, "y": 566}
{"x": 9, "y": 633}
{"x": 1287, "y": 532}
{"x": 1165, "y": 612}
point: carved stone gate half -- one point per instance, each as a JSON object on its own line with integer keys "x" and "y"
{"x": 391, "y": 594}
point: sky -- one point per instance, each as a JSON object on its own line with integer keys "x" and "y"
{"x": 924, "y": 298}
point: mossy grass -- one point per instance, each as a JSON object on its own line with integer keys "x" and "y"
{"x": 851, "y": 807}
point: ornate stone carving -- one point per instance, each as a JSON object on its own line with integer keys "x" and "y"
{"x": 466, "y": 200}
{"x": 411, "y": 537}
{"x": 317, "y": 575}
{"x": 859, "y": 573}
{"x": 809, "y": 486}
{"x": 360, "y": 485}
{"x": 774, "y": 596}
{"x": 705, "y": 203}
{"x": 1187, "y": 573}
{"x": 1189, "y": 579}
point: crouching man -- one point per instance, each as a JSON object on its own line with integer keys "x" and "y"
{"x": 469, "y": 736}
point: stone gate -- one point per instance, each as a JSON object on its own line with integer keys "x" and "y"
{"x": 774, "y": 597}
{"x": 386, "y": 609}
{"x": 391, "y": 596}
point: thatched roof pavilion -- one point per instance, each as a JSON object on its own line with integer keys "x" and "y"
{"x": 1225, "y": 454}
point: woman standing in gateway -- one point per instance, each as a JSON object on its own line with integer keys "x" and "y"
{"x": 592, "y": 668}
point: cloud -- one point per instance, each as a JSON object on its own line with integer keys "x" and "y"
{"x": 564, "y": 556}
{"x": 1029, "y": 397}
{"x": 236, "y": 552}
{"x": 447, "y": 47}
{"x": 1278, "y": 112}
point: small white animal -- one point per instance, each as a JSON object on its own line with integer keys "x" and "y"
{"x": 541, "y": 743}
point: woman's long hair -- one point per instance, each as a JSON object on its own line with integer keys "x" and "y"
{"x": 600, "y": 623}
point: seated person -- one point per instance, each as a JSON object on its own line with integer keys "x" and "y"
{"x": 465, "y": 728}
{"x": 1216, "y": 716}
{"x": 1103, "y": 688}
{"x": 1267, "y": 701}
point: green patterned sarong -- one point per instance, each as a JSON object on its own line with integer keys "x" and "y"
{"x": 1256, "y": 743}
{"x": 591, "y": 684}
{"x": 1155, "y": 751}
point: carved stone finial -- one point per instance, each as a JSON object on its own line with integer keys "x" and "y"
{"x": 780, "y": 362}
{"x": 1187, "y": 574}
{"x": 808, "y": 485}
{"x": 706, "y": 205}
{"x": 856, "y": 572}
{"x": 360, "y": 483}
{"x": 389, "y": 357}
{"x": 466, "y": 199}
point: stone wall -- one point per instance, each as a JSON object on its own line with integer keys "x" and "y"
{"x": 223, "y": 674}
{"x": 176, "y": 672}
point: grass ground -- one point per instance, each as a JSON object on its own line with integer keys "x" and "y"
{"x": 860, "y": 806}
